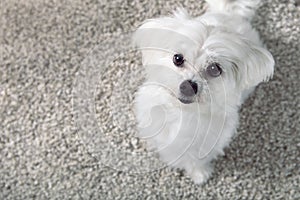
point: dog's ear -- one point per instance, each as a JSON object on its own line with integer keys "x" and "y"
{"x": 250, "y": 63}
{"x": 259, "y": 66}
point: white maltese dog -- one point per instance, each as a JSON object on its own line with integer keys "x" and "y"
{"x": 198, "y": 73}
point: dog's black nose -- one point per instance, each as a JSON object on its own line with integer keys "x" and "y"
{"x": 188, "y": 88}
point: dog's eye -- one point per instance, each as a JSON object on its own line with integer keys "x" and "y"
{"x": 178, "y": 60}
{"x": 214, "y": 70}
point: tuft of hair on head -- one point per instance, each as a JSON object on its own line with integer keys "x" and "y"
{"x": 181, "y": 13}
{"x": 243, "y": 8}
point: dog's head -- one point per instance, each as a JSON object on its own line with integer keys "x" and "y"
{"x": 197, "y": 62}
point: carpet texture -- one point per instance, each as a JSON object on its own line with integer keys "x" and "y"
{"x": 67, "y": 130}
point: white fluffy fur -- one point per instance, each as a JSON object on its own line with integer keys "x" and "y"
{"x": 189, "y": 136}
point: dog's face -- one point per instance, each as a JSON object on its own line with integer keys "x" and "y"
{"x": 195, "y": 62}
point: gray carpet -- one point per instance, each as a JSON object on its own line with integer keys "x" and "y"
{"x": 67, "y": 82}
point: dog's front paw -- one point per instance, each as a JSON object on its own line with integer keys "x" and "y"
{"x": 201, "y": 174}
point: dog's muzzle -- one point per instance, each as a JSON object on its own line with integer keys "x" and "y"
{"x": 188, "y": 90}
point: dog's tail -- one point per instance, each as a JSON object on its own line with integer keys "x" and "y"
{"x": 244, "y": 8}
